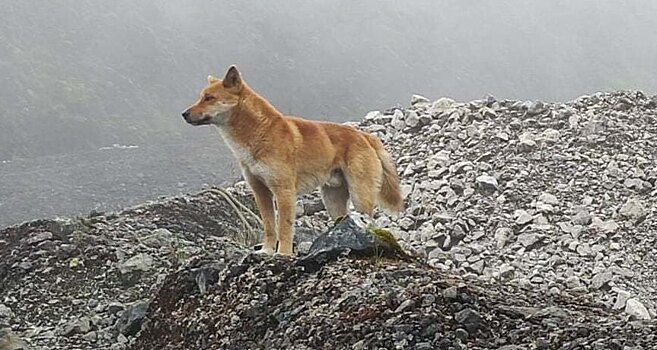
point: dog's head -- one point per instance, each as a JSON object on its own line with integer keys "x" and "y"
{"x": 216, "y": 100}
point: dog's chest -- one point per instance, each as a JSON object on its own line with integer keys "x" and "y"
{"x": 243, "y": 155}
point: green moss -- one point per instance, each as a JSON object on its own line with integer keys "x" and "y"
{"x": 389, "y": 244}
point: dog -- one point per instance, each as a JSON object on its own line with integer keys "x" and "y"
{"x": 282, "y": 157}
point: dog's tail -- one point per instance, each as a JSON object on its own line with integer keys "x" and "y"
{"x": 389, "y": 197}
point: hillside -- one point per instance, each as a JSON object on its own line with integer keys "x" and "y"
{"x": 534, "y": 224}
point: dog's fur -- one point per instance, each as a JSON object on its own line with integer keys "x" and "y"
{"x": 282, "y": 157}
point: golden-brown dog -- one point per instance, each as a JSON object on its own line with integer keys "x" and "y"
{"x": 282, "y": 157}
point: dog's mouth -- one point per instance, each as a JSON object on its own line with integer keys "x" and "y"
{"x": 203, "y": 121}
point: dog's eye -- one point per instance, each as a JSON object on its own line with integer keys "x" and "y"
{"x": 207, "y": 98}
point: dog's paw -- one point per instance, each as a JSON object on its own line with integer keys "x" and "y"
{"x": 284, "y": 255}
{"x": 265, "y": 251}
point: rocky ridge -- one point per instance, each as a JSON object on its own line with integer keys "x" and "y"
{"x": 519, "y": 208}
{"x": 553, "y": 197}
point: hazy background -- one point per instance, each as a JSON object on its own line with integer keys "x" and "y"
{"x": 91, "y": 91}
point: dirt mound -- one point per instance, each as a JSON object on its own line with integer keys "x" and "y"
{"x": 271, "y": 303}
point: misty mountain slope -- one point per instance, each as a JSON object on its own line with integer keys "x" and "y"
{"x": 81, "y": 75}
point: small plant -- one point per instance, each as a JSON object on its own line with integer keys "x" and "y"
{"x": 249, "y": 235}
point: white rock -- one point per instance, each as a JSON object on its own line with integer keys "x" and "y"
{"x": 522, "y": 217}
{"x": 398, "y": 120}
{"x": 548, "y": 198}
{"x": 636, "y": 310}
{"x": 418, "y": 99}
{"x": 487, "y": 183}
{"x": 372, "y": 115}
{"x": 502, "y": 236}
{"x": 412, "y": 120}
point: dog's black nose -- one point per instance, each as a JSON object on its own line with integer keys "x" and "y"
{"x": 185, "y": 114}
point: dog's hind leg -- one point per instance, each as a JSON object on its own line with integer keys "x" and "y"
{"x": 335, "y": 199}
{"x": 364, "y": 176}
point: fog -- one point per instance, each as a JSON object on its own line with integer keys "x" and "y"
{"x": 91, "y": 91}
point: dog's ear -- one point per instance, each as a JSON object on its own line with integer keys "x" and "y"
{"x": 232, "y": 79}
{"x": 212, "y": 80}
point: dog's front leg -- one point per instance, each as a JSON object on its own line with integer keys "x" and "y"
{"x": 265, "y": 202}
{"x": 285, "y": 200}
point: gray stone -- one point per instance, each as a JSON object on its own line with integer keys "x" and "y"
{"x": 526, "y": 142}
{"x": 81, "y": 325}
{"x": 636, "y": 310}
{"x": 441, "y": 106}
{"x": 355, "y": 235}
{"x": 405, "y": 306}
{"x": 450, "y": 293}
{"x": 114, "y": 307}
{"x": 39, "y": 237}
{"x": 548, "y": 198}
{"x": 601, "y": 279}
{"x": 132, "y": 318}
{"x": 5, "y": 315}
{"x": 528, "y": 240}
{"x": 418, "y": 99}
{"x": 633, "y": 209}
{"x": 470, "y": 319}
{"x": 90, "y": 337}
{"x": 581, "y": 217}
{"x": 550, "y": 136}
{"x": 487, "y": 183}
{"x": 573, "y": 282}
{"x": 567, "y": 227}
{"x": 373, "y": 115}
{"x": 412, "y": 120}
{"x": 584, "y": 250}
{"x": 522, "y": 217}
{"x": 398, "y": 120}
{"x": 477, "y": 267}
{"x": 535, "y": 107}
{"x": 544, "y": 207}
{"x": 506, "y": 271}
{"x": 140, "y": 262}
{"x": 609, "y": 226}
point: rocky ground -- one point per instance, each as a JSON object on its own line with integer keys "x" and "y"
{"x": 534, "y": 224}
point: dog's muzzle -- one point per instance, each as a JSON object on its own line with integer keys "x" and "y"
{"x": 185, "y": 115}
{"x": 189, "y": 119}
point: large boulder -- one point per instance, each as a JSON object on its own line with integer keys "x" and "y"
{"x": 354, "y": 235}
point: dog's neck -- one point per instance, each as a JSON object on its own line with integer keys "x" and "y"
{"x": 252, "y": 111}
{"x": 249, "y": 122}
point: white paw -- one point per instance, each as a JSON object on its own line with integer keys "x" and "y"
{"x": 265, "y": 251}
{"x": 287, "y": 255}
